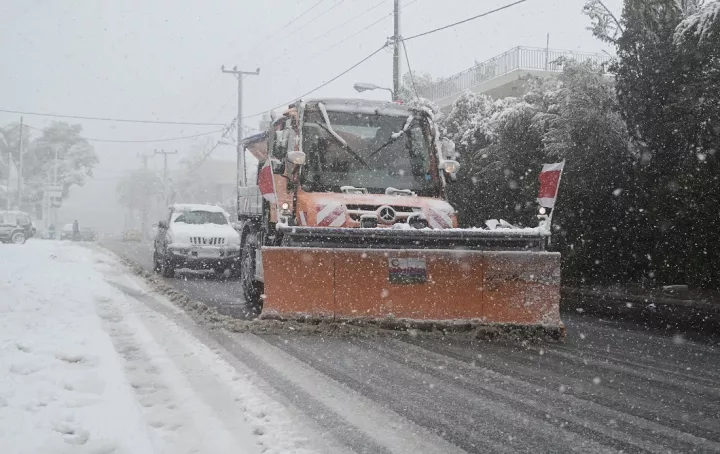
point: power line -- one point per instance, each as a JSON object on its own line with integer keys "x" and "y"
{"x": 354, "y": 18}
{"x": 412, "y": 77}
{"x": 215, "y": 76}
{"x": 321, "y": 85}
{"x": 329, "y": 48}
{"x": 207, "y": 154}
{"x": 122, "y": 120}
{"x": 465, "y": 20}
{"x": 312, "y": 20}
{"x": 301, "y": 15}
{"x": 290, "y": 22}
{"x": 168, "y": 139}
{"x": 357, "y": 33}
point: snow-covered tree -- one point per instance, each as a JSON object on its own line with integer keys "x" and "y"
{"x": 701, "y": 26}
{"x": 415, "y": 85}
{"x": 76, "y": 158}
{"x": 604, "y": 24}
{"x": 504, "y": 143}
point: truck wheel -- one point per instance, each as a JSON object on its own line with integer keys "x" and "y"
{"x": 166, "y": 268}
{"x": 18, "y": 238}
{"x": 156, "y": 262}
{"x": 252, "y": 289}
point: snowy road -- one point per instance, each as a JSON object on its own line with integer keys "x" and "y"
{"x": 85, "y": 367}
{"x": 608, "y": 388}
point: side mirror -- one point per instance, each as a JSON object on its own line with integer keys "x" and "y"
{"x": 296, "y": 157}
{"x": 450, "y": 166}
{"x": 284, "y": 140}
{"x": 447, "y": 147}
{"x": 281, "y": 143}
{"x": 162, "y": 225}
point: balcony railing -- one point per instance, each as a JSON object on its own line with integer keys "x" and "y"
{"x": 518, "y": 58}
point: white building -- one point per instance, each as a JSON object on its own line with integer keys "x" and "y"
{"x": 507, "y": 74}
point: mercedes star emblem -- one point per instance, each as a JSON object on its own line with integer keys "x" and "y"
{"x": 386, "y": 213}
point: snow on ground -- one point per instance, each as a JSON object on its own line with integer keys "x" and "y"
{"x": 87, "y": 368}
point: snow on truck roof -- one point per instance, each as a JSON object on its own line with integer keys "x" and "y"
{"x": 196, "y": 207}
{"x": 363, "y": 106}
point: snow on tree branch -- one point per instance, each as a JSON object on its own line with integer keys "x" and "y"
{"x": 701, "y": 25}
{"x": 605, "y": 26}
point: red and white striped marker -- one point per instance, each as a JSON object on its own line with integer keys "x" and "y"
{"x": 550, "y": 184}
{"x": 330, "y": 215}
{"x": 438, "y": 219}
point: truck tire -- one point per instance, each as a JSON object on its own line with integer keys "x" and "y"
{"x": 167, "y": 269}
{"x": 156, "y": 262}
{"x": 252, "y": 289}
{"x": 235, "y": 270}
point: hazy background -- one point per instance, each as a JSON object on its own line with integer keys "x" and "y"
{"x": 160, "y": 60}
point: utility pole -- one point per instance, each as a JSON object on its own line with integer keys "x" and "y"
{"x": 144, "y": 158}
{"x": 20, "y": 167}
{"x": 240, "y": 151}
{"x": 165, "y": 172}
{"x": 144, "y": 210}
{"x": 396, "y": 51}
{"x": 55, "y": 180}
{"x": 9, "y": 179}
{"x": 547, "y": 52}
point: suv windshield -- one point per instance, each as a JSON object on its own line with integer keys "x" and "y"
{"x": 379, "y": 152}
{"x": 202, "y": 217}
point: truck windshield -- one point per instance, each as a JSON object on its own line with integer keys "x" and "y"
{"x": 378, "y": 152}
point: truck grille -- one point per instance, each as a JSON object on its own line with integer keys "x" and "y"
{"x": 207, "y": 241}
{"x": 401, "y": 213}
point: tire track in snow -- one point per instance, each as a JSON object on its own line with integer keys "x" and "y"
{"x": 181, "y": 421}
{"x": 514, "y": 384}
{"x": 473, "y": 419}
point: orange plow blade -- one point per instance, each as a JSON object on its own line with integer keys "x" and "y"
{"x": 426, "y": 285}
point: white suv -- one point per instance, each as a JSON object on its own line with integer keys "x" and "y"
{"x": 196, "y": 237}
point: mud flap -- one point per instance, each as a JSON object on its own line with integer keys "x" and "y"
{"x": 521, "y": 288}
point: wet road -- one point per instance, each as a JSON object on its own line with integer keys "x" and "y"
{"x": 610, "y": 387}
{"x": 222, "y": 293}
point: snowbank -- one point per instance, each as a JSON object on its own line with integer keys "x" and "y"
{"x": 89, "y": 364}
{"x": 61, "y": 382}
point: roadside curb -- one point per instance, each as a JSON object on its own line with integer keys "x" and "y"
{"x": 700, "y": 316}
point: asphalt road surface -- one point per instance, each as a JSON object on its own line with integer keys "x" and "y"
{"x": 610, "y": 387}
{"x": 220, "y": 292}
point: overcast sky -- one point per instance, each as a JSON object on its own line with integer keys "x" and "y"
{"x": 160, "y": 60}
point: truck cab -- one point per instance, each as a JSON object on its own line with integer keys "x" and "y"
{"x": 343, "y": 164}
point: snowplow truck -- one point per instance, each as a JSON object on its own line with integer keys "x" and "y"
{"x": 347, "y": 219}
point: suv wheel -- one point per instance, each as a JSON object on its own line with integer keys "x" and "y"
{"x": 18, "y": 238}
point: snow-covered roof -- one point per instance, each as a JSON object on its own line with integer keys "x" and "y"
{"x": 196, "y": 207}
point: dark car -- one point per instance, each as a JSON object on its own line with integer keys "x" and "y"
{"x": 87, "y": 234}
{"x": 15, "y": 227}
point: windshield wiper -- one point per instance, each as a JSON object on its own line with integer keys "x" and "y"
{"x": 337, "y": 137}
{"x": 395, "y": 136}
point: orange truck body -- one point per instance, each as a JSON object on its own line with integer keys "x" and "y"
{"x": 315, "y": 258}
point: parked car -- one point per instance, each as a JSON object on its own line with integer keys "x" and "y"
{"x": 132, "y": 235}
{"x": 15, "y": 227}
{"x": 66, "y": 233}
{"x": 196, "y": 237}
